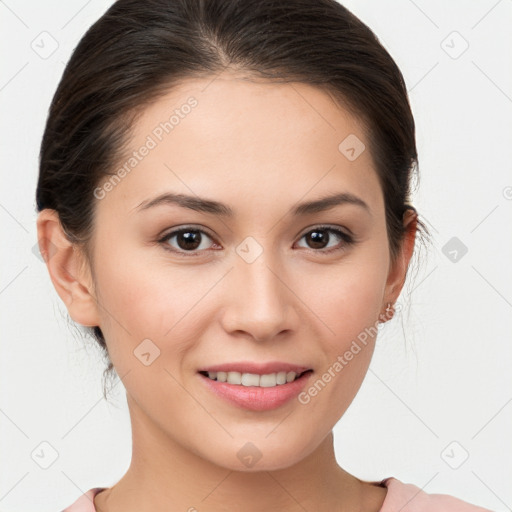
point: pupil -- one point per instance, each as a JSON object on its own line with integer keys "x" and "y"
{"x": 189, "y": 239}
{"x": 319, "y": 239}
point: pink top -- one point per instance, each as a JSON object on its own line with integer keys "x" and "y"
{"x": 400, "y": 496}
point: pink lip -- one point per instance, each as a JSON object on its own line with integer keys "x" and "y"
{"x": 255, "y": 398}
{"x": 258, "y": 368}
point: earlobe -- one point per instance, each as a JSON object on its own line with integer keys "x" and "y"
{"x": 68, "y": 271}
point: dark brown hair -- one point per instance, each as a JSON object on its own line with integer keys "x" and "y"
{"x": 138, "y": 50}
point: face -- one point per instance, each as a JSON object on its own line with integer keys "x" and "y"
{"x": 184, "y": 287}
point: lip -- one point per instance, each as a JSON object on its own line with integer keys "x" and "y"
{"x": 255, "y": 398}
{"x": 258, "y": 368}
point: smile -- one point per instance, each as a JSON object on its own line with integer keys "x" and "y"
{"x": 268, "y": 380}
{"x": 256, "y": 392}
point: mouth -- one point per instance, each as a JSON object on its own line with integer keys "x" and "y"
{"x": 256, "y": 392}
{"x": 267, "y": 380}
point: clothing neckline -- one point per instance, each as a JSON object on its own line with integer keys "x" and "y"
{"x": 87, "y": 499}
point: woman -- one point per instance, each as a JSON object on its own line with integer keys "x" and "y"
{"x": 224, "y": 201}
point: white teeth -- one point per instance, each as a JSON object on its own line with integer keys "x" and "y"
{"x": 281, "y": 378}
{"x": 252, "y": 379}
{"x": 290, "y": 376}
{"x": 269, "y": 380}
{"x": 234, "y": 378}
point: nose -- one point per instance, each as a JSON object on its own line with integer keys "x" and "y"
{"x": 260, "y": 302}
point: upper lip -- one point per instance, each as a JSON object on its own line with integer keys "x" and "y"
{"x": 257, "y": 368}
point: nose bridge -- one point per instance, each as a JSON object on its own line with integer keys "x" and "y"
{"x": 261, "y": 303}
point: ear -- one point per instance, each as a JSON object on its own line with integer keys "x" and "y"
{"x": 398, "y": 269}
{"x": 68, "y": 269}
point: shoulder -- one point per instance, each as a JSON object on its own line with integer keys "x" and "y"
{"x": 410, "y": 498}
{"x": 85, "y": 502}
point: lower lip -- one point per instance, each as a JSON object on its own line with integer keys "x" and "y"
{"x": 255, "y": 398}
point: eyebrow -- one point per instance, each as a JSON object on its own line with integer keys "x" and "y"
{"x": 216, "y": 208}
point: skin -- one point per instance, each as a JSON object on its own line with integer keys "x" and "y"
{"x": 260, "y": 148}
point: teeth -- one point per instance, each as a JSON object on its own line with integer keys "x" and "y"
{"x": 250, "y": 379}
{"x": 268, "y": 380}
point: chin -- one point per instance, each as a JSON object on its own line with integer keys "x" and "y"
{"x": 260, "y": 454}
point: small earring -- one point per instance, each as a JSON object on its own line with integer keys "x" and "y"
{"x": 388, "y": 315}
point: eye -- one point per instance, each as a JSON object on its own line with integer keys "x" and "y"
{"x": 190, "y": 241}
{"x": 186, "y": 240}
{"x": 320, "y": 238}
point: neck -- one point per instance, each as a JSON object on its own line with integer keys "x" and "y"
{"x": 165, "y": 475}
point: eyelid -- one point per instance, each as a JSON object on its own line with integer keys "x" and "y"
{"x": 334, "y": 227}
{"x": 173, "y": 231}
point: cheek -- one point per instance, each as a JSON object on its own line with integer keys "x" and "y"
{"x": 354, "y": 307}
{"x": 350, "y": 310}
{"x": 140, "y": 300}
{"x": 348, "y": 298}
{"x": 348, "y": 301}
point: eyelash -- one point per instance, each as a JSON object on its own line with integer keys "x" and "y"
{"x": 347, "y": 239}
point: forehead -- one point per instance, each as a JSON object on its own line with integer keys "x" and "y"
{"x": 243, "y": 139}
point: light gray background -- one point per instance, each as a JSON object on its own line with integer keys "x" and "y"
{"x": 431, "y": 398}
